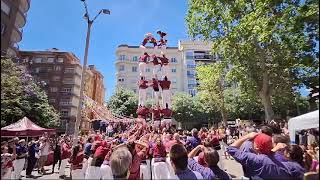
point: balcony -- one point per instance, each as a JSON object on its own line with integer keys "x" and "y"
{"x": 16, "y": 35}
{"x": 20, "y": 19}
{"x": 24, "y": 5}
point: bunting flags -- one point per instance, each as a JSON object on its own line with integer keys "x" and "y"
{"x": 102, "y": 112}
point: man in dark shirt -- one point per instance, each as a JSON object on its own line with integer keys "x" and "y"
{"x": 194, "y": 140}
{"x": 18, "y": 165}
{"x": 179, "y": 161}
{"x": 31, "y": 158}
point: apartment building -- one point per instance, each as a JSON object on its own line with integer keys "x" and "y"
{"x": 13, "y": 19}
{"x": 194, "y": 53}
{"x": 127, "y": 69}
{"x": 183, "y": 60}
{"x": 94, "y": 88}
{"x": 60, "y": 74}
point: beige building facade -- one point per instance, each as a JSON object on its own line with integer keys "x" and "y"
{"x": 183, "y": 60}
{"x": 127, "y": 70}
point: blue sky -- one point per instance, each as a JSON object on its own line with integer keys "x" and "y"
{"x": 60, "y": 24}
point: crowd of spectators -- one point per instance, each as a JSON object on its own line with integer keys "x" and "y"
{"x": 141, "y": 151}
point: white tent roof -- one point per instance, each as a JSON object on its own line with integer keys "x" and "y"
{"x": 305, "y": 121}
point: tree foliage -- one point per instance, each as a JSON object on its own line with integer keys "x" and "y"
{"x": 193, "y": 109}
{"x": 212, "y": 87}
{"x": 123, "y": 102}
{"x": 271, "y": 45}
{"x": 21, "y": 96}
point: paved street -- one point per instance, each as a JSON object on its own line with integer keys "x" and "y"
{"x": 232, "y": 167}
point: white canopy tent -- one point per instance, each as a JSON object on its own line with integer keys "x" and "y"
{"x": 305, "y": 121}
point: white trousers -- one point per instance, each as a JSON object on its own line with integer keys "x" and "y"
{"x": 142, "y": 69}
{"x": 93, "y": 172}
{"x": 7, "y": 175}
{"x": 166, "y": 98}
{"x": 18, "y": 165}
{"x": 106, "y": 172}
{"x": 156, "y": 97}
{"x": 165, "y": 70}
{"x": 156, "y": 70}
{"x": 63, "y": 167}
{"x": 142, "y": 96}
{"x": 160, "y": 170}
{"x": 145, "y": 172}
{"x": 77, "y": 174}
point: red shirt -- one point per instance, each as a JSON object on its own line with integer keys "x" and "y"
{"x": 162, "y": 34}
{"x": 155, "y": 84}
{"x": 159, "y": 151}
{"x": 155, "y": 60}
{"x": 66, "y": 151}
{"x": 142, "y": 112}
{"x": 144, "y": 58}
{"x": 166, "y": 112}
{"x": 164, "y": 60}
{"x": 165, "y": 84}
{"x": 156, "y": 114}
{"x": 143, "y": 84}
{"x": 77, "y": 162}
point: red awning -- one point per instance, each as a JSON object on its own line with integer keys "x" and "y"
{"x": 23, "y": 128}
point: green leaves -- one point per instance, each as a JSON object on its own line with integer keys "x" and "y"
{"x": 21, "y": 96}
{"x": 123, "y": 102}
{"x": 269, "y": 44}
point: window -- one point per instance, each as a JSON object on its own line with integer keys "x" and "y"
{"x": 2, "y": 27}
{"x": 52, "y": 100}
{"x": 122, "y": 57}
{"x": 174, "y": 70}
{"x": 56, "y": 78}
{"x": 173, "y": 60}
{"x": 174, "y": 80}
{"x": 57, "y": 68}
{"x": 69, "y": 70}
{"x": 121, "y": 68}
{"x": 50, "y": 59}
{"x": 65, "y": 102}
{"x": 148, "y": 70}
{"x": 135, "y": 58}
{"x": 121, "y": 79}
{"x": 36, "y": 70}
{"x": 191, "y": 66}
{"x": 49, "y": 69}
{"x": 60, "y": 60}
{"x": 38, "y": 60}
{"x": 53, "y": 89}
{"x": 134, "y": 68}
{"x": 192, "y": 92}
{"x": 189, "y": 55}
{"x": 191, "y": 62}
{"x": 64, "y": 113}
{"x": 5, "y": 8}
{"x": 68, "y": 80}
{"x": 66, "y": 90}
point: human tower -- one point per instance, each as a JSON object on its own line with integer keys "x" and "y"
{"x": 160, "y": 111}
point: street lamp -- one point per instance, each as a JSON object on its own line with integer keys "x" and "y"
{"x": 84, "y": 67}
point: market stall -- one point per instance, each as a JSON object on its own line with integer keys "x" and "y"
{"x": 305, "y": 121}
{"x": 24, "y": 128}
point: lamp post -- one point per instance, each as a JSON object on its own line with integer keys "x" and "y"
{"x": 84, "y": 67}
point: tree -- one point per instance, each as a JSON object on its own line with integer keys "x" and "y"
{"x": 21, "y": 96}
{"x": 266, "y": 42}
{"x": 183, "y": 107}
{"x": 212, "y": 87}
{"x": 123, "y": 102}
